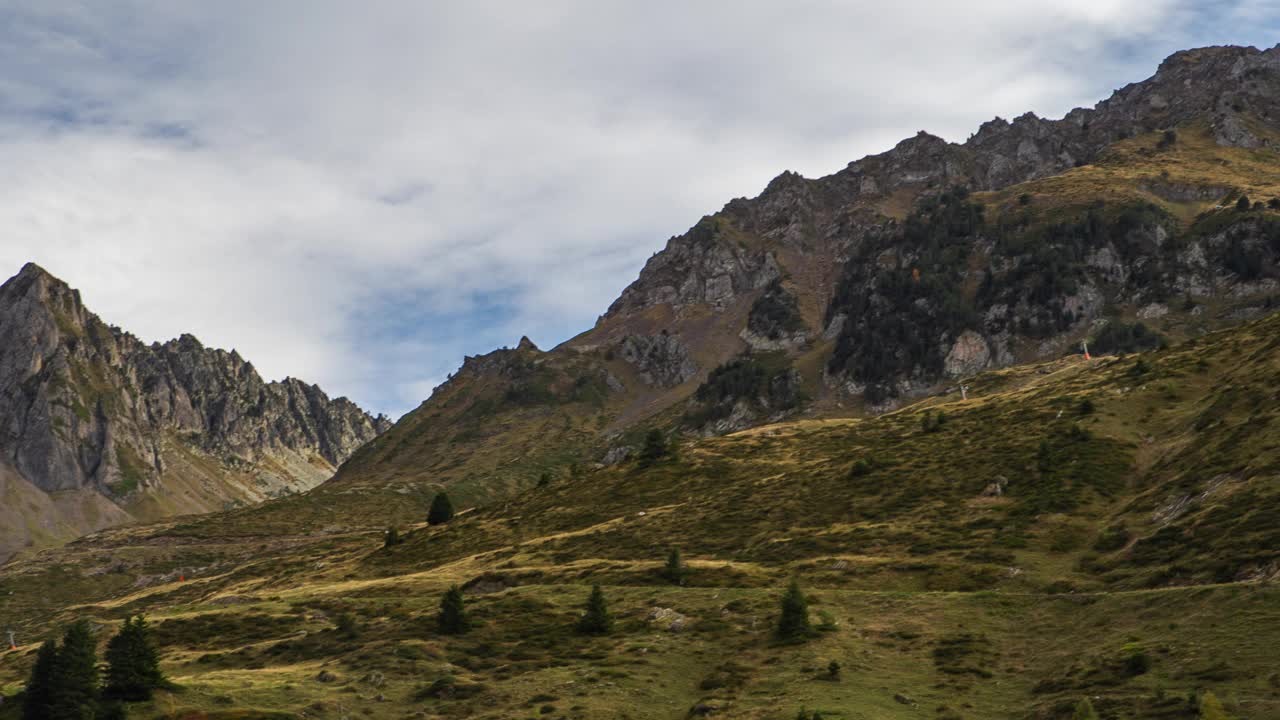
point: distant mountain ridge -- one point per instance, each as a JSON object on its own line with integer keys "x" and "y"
{"x": 885, "y": 281}
{"x": 100, "y": 428}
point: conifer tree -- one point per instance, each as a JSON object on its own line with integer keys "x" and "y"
{"x": 441, "y": 510}
{"x": 453, "y": 619}
{"x": 38, "y": 700}
{"x": 1084, "y": 711}
{"x": 596, "y": 620}
{"x": 674, "y": 570}
{"x": 793, "y": 621}
{"x": 392, "y": 538}
{"x": 655, "y": 448}
{"x": 133, "y": 666}
{"x": 75, "y": 677}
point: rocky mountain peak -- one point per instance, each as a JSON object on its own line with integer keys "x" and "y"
{"x": 88, "y": 408}
{"x": 1226, "y": 87}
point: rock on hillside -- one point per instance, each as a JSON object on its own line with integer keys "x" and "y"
{"x": 90, "y": 411}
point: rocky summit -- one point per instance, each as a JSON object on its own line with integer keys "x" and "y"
{"x": 100, "y": 428}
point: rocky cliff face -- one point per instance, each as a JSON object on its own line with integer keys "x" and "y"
{"x": 88, "y": 408}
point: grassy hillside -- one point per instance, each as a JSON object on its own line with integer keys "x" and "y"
{"x": 1104, "y": 528}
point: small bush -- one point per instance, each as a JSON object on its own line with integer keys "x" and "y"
{"x": 1136, "y": 662}
{"x": 346, "y": 625}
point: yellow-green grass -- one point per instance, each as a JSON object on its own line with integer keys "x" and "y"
{"x": 964, "y": 604}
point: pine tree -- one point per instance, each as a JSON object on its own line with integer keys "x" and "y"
{"x": 453, "y": 619}
{"x": 133, "y": 667}
{"x": 1084, "y": 711}
{"x": 1211, "y": 708}
{"x": 596, "y": 620}
{"x": 392, "y": 538}
{"x": 793, "y": 622}
{"x": 1243, "y": 203}
{"x": 38, "y": 701}
{"x": 441, "y": 510}
{"x": 75, "y": 675}
{"x": 674, "y": 570}
{"x": 655, "y": 448}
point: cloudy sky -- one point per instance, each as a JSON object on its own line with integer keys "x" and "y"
{"x": 360, "y": 193}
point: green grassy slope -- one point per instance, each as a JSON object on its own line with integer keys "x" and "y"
{"x": 1129, "y": 557}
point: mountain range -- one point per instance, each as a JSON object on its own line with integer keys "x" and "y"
{"x": 1002, "y": 409}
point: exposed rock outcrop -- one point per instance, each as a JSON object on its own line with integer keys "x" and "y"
{"x": 662, "y": 359}
{"x": 970, "y": 354}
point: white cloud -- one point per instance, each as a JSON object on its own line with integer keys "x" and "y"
{"x": 359, "y": 194}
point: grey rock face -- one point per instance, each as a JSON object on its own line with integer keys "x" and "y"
{"x": 698, "y": 267}
{"x": 968, "y": 355}
{"x": 83, "y": 404}
{"x": 663, "y": 360}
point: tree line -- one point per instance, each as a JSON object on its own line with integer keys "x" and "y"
{"x": 66, "y": 682}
